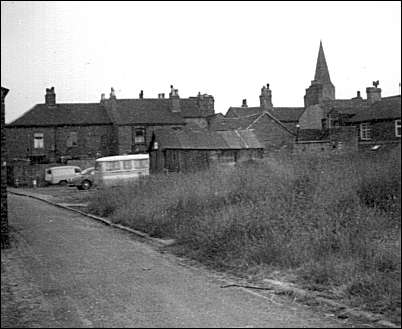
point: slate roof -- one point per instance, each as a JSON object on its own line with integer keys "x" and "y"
{"x": 284, "y": 114}
{"x": 233, "y": 123}
{"x": 242, "y": 111}
{"x": 145, "y": 111}
{"x": 63, "y": 114}
{"x": 127, "y": 111}
{"x": 386, "y": 108}
{"x": 203, "y": 139}
{"x": 287, "y": 114}
{"x": 345, "y": 106}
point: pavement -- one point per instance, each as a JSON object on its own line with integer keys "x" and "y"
{"x": 66, "y": 270}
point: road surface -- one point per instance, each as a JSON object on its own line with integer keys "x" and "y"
{"x": 66, "y": 270}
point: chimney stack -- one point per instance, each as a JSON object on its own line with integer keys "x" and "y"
{"x": 174, "y": 99}
{"x": 161, "y": 96}
{"x": 141, "y": 94}
{"x": 112, "y": 93}
{"x": 244, "y": 103}
{"x": 50, "y": 97}
{"x": 358, "y": 96}
{"x": 103, "y": 97}
{"x": 266, "y": 98}
{"x": 373, "y": 93}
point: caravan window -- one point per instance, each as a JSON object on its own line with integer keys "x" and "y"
{"x": 127, "y": 164}
{"x": 141, "y": 163}
{"x": 112, "y": 165}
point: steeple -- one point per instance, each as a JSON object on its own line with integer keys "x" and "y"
{"x": 321, "y": 87}
{"x": 321, "y": 70}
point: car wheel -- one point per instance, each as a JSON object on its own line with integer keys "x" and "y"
{"x": 86, "y": 184}
{"x": 63, "y": 183}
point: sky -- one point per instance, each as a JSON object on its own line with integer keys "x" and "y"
{"x": 226, "y": 49}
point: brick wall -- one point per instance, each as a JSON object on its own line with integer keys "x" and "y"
{"x": 272, "y": 135}
{"x": 126, "y": 133}
{"x": 90, "y": 140}
{"x": 382, "y": 131}
{"x": 340, "y": 140}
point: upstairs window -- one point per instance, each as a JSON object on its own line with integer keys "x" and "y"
{"x": 398, "y": 128}
{"x": 324, "y": 124}
{"x": 365, "y": 131}
{"x": 38, "y": 141}
{"x": 72, "y": 139}
{"x": 139, "y": 136}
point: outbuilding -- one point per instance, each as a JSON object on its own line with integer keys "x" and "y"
{"x": 188, "y": 150}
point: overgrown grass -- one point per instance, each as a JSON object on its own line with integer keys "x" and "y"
{"x": 335, "y": 222}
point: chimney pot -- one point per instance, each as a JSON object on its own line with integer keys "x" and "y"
{"x": 141, "y": 94}
{"x": 244, "y": 103}
{"x": 103, "y": 98}
{"x": 50, "y": 97}
{"x": 112, "y": 93}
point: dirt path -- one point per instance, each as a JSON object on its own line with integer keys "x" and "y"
{"x": 65, "y": 270}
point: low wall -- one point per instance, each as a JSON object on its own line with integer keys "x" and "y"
{"x": 22, "y": 174}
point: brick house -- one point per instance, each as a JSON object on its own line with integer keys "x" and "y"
{"x": 51, "y": 132}
{"x": 379, "y": 124}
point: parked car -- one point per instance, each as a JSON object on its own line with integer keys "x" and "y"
{"x": 61, "y": 175}
{"x": 85, "y": 180}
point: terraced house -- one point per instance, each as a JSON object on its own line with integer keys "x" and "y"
{"x": 54, "y": 132}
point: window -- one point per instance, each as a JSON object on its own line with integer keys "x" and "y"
{"x": 72, "y": 139}
{"x": 112, "y": 165}
{"x": 141, "y": 163}
{"x": 365, "y": 131}
{"x": 333, "y": 122}
{"x": 398, "y": 128}
{"x": 38, "y": 141}
{"x": 127, "y": 164}
{"x": 324, "y": 123}
{"x": 139, "y": 136}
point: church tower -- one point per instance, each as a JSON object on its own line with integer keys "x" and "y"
{"x": 321, "y": 87}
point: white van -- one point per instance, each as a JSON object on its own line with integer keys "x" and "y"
{"x": 120, "y": 169}
{"x": 61, "y": 175}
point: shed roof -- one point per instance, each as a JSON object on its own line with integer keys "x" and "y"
{"x": 204, "y": 139}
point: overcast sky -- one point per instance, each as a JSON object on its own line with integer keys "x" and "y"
{"x": 229, "y": 50}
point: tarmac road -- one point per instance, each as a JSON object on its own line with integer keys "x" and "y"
{"x": 66, "y": 270}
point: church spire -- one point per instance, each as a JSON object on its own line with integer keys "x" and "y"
{"x": 321, "y": 70}
{"x": 321, "y": 87}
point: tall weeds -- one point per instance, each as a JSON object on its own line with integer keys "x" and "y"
{"x": 335, "y": 222}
